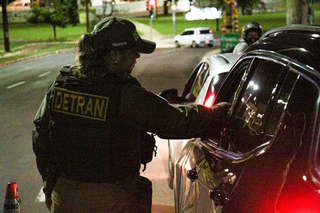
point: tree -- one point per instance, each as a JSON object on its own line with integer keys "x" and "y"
{"x": 63, "y": 13}
{"x": 59, "y": 17}
{"x": 165, "y": 7}
{"x": 73, "y": 12}
{"x": 5, "y": 25}
{"x": 246, "y": 6}
{"x": 297, "y": 12}
{"x": 208, "y": 3}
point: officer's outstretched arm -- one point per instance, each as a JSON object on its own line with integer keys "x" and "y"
{"x": 151, "y": 113}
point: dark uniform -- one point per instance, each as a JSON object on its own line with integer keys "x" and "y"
{"x": 91, "y": 130}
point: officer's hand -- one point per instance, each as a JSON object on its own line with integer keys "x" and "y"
{"x": 221, "y": 111}
{"x": 219, "y": 118}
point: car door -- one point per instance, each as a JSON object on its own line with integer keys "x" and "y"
{"x": 201, "y": 167}
{"x": 193, "y": 165}
{"x": 186, "y": 37}
{"x": 192, "y": 88}
{"x": 257, "y": 111}
{"x": 254, "y": 89}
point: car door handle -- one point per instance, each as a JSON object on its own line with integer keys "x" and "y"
{"x": 230, "y": 178}
{"x": 219, "y": 195}
{"x": 192, "y": 174}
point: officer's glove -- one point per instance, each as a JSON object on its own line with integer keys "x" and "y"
{"x": 220, "y": 111}
{"x": 219, "y": 118}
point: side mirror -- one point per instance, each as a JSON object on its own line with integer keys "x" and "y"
{"x": 170, "y": 95}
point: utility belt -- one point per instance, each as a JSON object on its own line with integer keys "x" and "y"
{"x": 80, "y": 183}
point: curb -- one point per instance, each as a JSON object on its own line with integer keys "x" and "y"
{"x": 29, "y": 58}
{"x": 33, "y": 44}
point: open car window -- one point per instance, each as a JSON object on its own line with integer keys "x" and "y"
{"x": 253, "y": 107}
{"x": 270, "y": 108}
{"x": 225, "y": 93}
{"x": 259, "y": 94}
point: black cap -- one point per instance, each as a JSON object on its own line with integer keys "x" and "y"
{"x": 117, "y": 33}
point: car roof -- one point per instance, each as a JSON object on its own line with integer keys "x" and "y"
{"x": 299, "y": 42}
{"x": 222, "y": 62}
{"x": 197, "y": 28}
{"x": 226, "y": 58}
{"x": 298, "y": 28}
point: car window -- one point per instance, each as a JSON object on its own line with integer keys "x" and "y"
{"x": 199, "y": 81}
{"x": 253, "y": 107}
{"x": 205, "y": 31}
{"x": 304, "y": 100}
{"x": 189, "y": 32}
{"x": 226, "y": 93}
{"x": 190, "y": 82}
{"x": 228, "y": 89}
{"x": 214, "y": 87}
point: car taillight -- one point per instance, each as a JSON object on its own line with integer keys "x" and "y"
{"x": 299, "y": 198}
{"x": 209, "y": 101}
{"x": 300, "y": 205}
{"x": 210, "y": 31}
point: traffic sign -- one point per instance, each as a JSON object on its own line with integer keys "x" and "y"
{"x": 228, "y": 41}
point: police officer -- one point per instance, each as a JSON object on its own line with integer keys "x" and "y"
{"x": 91, "y": 127}
{"x": 251, "y": 33}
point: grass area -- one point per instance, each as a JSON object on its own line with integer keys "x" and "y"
{"x": 26, "y": 33}
{"x": 268, "y": 21}
{"x": 22, "y": 34}
{"x": 43, "y": 32}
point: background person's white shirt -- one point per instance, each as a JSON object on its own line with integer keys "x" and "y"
{"x": 240, "y": 47}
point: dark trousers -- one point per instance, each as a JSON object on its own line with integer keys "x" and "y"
{"x": 132, "y": 195}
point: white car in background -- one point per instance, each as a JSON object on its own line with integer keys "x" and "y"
{"x": 201, "y": 88}
{"x": 195, "y": 37}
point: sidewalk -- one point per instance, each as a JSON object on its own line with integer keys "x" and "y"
{"x": 153, "y": 35}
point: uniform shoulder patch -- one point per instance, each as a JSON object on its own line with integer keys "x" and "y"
{"x": 80, "y": 104}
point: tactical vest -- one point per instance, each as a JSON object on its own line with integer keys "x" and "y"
{"x": 89, "y": 142}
